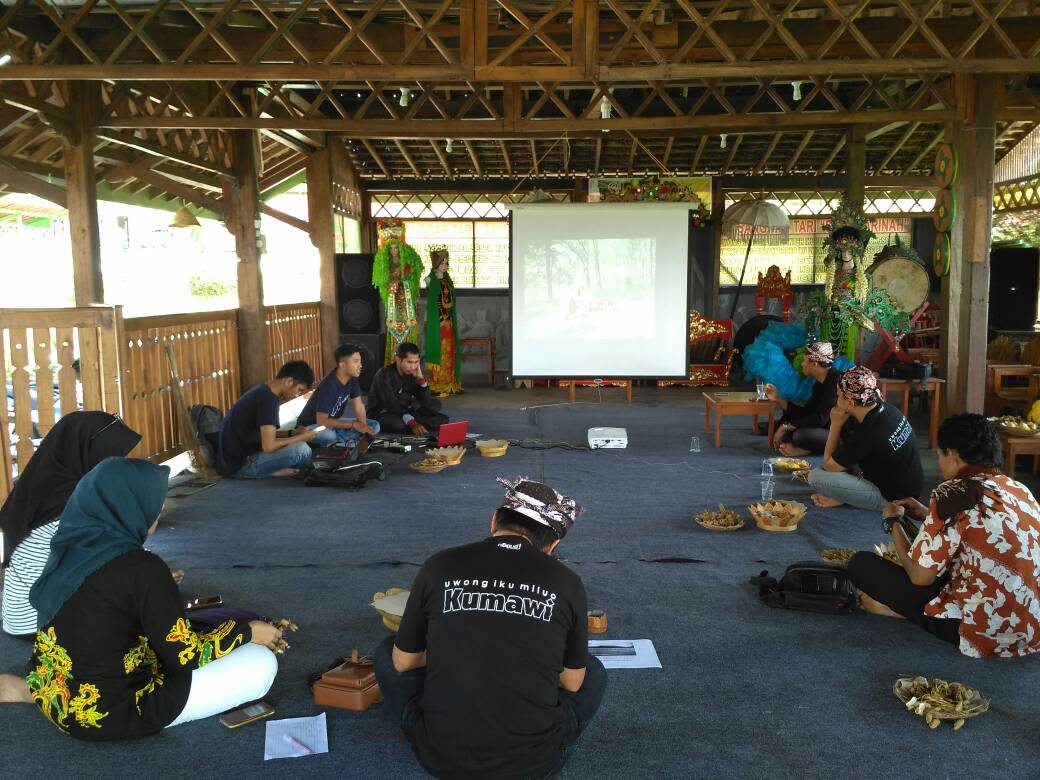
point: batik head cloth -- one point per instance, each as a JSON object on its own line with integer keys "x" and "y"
{"x": 860, "y": 386}
{"x": 541, "y": 503}
{"x": 820, "y": 352}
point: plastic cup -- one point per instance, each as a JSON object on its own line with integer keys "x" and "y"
{"x": 767, "y": 468}
{"x": 695, "y": 444}
{"x": 760, "y": 388}
{"x": 767, "y": 490}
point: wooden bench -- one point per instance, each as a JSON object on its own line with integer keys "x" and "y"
{"x": 932, "y": 385}
{"x": 1014, "y": 446}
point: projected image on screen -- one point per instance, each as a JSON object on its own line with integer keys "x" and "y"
{"x": 590, "y": 289}
{"x": 599, "y": 290}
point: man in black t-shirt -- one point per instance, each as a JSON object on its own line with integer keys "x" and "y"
{"x": 803, "y": 427}
{"x": 490, "y": 675}
{"x": 327, "y": 406}
{"x": 882, "y": 446}
{"x": 249, "y": 445}
{"x": 400, "y": 398}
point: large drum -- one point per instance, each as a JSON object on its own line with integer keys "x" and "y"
{"x": 904, "y": 277}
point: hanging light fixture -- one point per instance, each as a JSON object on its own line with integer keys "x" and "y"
{"x": 4, "y": 59}
{"x": 448, "y": 146}
{"x": 722, "y": 141}
{"x": 183, "y": 218}
{"x": 406, "y": 96}
{"x": 796, "y": 87}
{"x": 604, "y": 108}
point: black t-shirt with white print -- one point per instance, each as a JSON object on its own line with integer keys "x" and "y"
{"x": 499, "y": 620}
{"x": 885, "y": 449}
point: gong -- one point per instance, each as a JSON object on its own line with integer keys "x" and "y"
{"x": 905, "y": 279}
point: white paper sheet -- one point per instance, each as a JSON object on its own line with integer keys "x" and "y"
{"x": 292, "y": 737}
{"x": 625, "y": 653}
{"x": 393, "y": 605}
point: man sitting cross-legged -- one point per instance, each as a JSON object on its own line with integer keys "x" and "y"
{"x": 881, "y": 445}
{"x": 803, "y": 427}
{"x": 490, "y": 675}
{"x": 328, "y": 403}
{"x": 250, "y": 447}
{"x": 970, "y": 577}
{"x": 400, "y": 399}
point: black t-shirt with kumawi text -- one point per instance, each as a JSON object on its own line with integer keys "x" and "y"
{"x": 884, "y": 448}
{"x": 499, "y": 620}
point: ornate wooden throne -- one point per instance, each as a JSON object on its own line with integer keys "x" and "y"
{"x": 711, "y": 353}
{"x": 774, "y": 285}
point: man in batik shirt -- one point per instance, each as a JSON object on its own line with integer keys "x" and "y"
{"x": 972, "y": 574}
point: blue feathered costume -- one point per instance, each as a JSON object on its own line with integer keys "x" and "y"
{"x": 766, "y": 359}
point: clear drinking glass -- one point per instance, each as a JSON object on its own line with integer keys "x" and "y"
{"x": 767, "y": 490}
{"x": 760, "y": 388}
{"x": 695, "y": 444}
{"x": 767, "y": 468}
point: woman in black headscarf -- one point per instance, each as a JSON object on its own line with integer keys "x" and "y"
{"x": 29, "y": 518}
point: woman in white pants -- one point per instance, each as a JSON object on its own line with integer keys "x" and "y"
{"x": 29, "y": 517}
{"x": 115, "y": 656}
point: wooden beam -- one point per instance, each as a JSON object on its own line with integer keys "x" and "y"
{"x": 375, "y": 156}
{"x": 81, "y": 193}
{"x": 243, "y": 201}
{"x": 408, "y": 158}
{"x": 696, "y": 161}
{"x": 323, "y": 237}
{"x": 473, "y": 158}
{"x": 521, "y": 128}
{"x": 21, "y": 181}
{"x": 855, "y": 164}
{"x": 148, "y": 147}
{"x": 443, "y": 160}
{"x": 505, "y": 157}
{"x": 967, "y": 286}
{"x": 288, "y": 219}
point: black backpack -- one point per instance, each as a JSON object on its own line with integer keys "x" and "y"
{"x": 811, "y": 586}
{"x": 337, "y": 473}
{"x": 207, "y": 421}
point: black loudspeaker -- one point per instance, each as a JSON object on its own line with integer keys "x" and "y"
{"x": 1013, "y": 282}
{"x": 357, "y": 298}
{"x": 372, "y": 349}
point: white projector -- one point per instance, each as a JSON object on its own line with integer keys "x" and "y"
{"x": 608, "y": 438}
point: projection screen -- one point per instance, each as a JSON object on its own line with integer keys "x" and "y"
{"x": 599, "y": 289}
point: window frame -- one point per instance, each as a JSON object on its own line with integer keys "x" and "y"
{"x": 469, "y": 290}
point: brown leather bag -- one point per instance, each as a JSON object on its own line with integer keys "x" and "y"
{"x": 350, "y": 685}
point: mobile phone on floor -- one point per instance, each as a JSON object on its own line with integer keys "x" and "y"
{"x": 202, "y": 602}
{"x": 251, "y": 712}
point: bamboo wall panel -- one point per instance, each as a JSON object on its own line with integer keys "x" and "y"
{"x": 206, "y": 348}
{"x": 294, "y": 333}
{"x": 38, "y": 348}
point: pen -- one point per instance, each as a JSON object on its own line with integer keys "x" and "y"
{"x": 292, "y": 740}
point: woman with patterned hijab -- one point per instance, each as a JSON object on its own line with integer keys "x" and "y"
{"x": 971, "y": 575}
{"x": 115, "y": 656}
{"x": 877, "y": 459}
{"x": 803, "y": 427}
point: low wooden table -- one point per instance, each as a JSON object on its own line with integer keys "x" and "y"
{"x": 571, "y": 384}
{"x": 487, "y": 344}
{"x": 1014, "y": 446}
{"x": 736, "y": 403}
{"x": 932, "y": 385}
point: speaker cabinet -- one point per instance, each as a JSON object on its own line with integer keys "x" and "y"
{"x": 372, "y": 346}
{"x": 1013, "y": 284}
{"x": 357, "y": 299}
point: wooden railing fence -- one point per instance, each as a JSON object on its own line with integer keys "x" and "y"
{"x": 38, "y": 349}
{"x": 294, "y": 333}
{"x": 123, "y": 369}
{"x": 206, "y": 349}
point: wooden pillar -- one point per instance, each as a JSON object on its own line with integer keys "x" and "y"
{"x": 319, "y": 209}
{"x": 368, "y": 242}
{"x": 81, "y": 193}
{"x": 966, "y": 289}
{"x": 244, "y": 206}
{"x": 718, "y": 206}
{"x": 856, "y": 164}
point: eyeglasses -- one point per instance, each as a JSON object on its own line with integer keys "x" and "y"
{"x": 115, "y": 419}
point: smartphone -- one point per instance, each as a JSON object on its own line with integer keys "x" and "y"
{"x": 203, "y": 601}
{"x": 318, "y": 428}
{"x": 251, "y": 712}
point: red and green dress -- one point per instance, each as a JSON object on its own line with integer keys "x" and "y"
{"x": 442, "y": 336}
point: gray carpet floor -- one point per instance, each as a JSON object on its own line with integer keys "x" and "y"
{"x": 745, "y": 692}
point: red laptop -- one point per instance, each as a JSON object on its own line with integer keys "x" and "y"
{"x": 452, "y": 433}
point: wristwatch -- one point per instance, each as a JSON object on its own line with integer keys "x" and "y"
{"x": 888, "y": 522}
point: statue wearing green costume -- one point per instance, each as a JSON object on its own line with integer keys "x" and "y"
{"x": 442, "y": 326}
{"x": 396, "y": 273}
